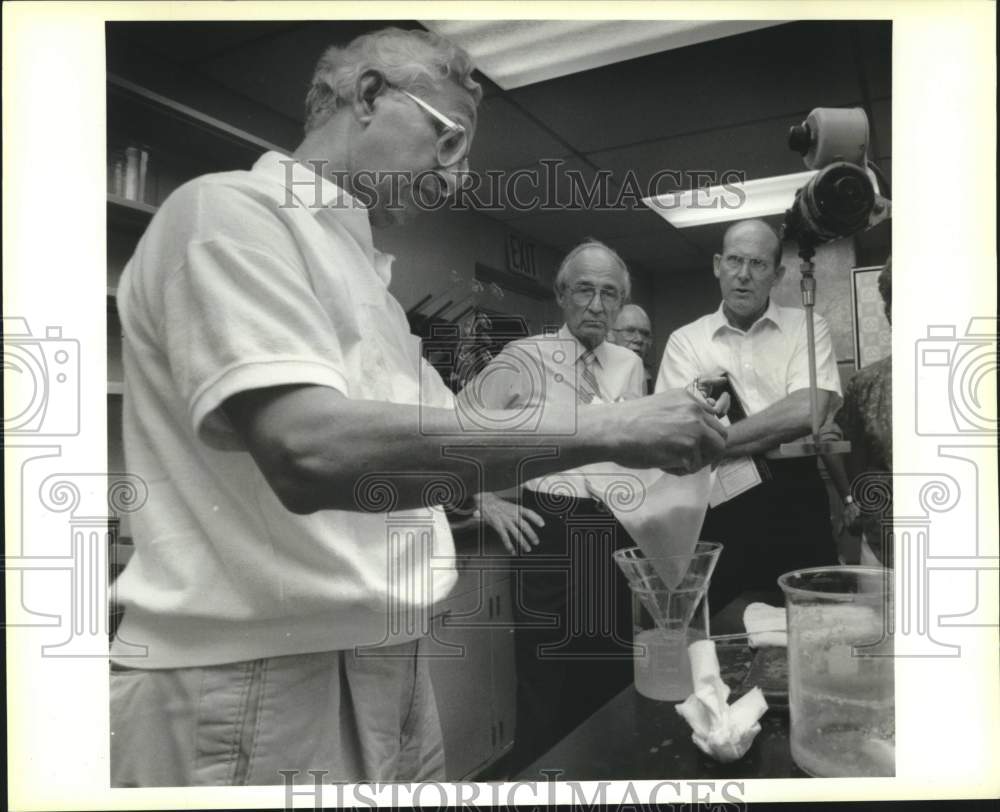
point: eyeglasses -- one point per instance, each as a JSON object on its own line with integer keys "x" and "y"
{"x": 583, "y": 295}
{"x": 735, "y": 263}
{"x": 453, "y": 142}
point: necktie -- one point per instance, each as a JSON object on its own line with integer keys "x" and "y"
{"x": 587, "y": 388}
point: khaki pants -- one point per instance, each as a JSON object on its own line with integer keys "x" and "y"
{"x": 359, "y": 717}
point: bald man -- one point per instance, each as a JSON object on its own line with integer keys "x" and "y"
{"x": 633, "y": 330}
{"x": 783, "y": 523}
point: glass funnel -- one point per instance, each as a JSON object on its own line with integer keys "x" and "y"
{"x": 666, "y": 592}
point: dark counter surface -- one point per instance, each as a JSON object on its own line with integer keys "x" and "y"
{"x": 635, "y": 738}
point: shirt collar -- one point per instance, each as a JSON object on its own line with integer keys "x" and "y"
{"x": 600, "y": 351}
{"x": 305, "y": 188}
{"x": 718, "y": 320}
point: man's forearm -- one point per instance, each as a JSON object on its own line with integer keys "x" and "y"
{"x": 411, "y": 447}
{"x": 320, "y": 450}
{"x": 781, "y": 422}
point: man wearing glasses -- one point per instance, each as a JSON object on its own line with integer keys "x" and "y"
{"x": 783, "y": 523}
{"x": 294, "y": 444}
{"x": 567, "y": 668}
{"x": 634, "y": 331}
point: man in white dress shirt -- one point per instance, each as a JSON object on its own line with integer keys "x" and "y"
{"x": 783, "y": 523}
{"x": 567, "y": 670}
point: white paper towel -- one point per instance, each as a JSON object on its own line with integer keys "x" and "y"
{"x": 722, "y": 731}
{"x": 766, "y": 625}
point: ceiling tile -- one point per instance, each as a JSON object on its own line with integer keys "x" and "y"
{"x": 506, "y": 138}
{"x": 254, "y": 69}
{"x": 192, "y": 42}
{"x": 565, "y": 187}
{"x": 532, "y": 189}
{"x": 573, "y": 227}
{"x": 709, "y": 237}
{"x": 875, "y": 41}
{"x": 660, "y": 250}
{"x": 758, "y": 150}
{"x": 515, "y": 53}
{"x": 762, "y": 74}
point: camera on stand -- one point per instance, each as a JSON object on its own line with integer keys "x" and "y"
{"x": 842, "y": 199}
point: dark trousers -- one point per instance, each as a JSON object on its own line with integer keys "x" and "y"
{"x": 573, "y": 622}
{"x": 781, "y": 525}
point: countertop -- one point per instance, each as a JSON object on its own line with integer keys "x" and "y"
{"x": 635, "y": 738}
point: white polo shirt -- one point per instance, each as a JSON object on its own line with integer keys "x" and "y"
{"x": 241, "y": 283}
{"x": 530, "y": 374}
{"x": 765, "y": 363}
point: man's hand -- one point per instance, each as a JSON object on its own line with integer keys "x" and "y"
{"x": 710, "y": 391}
{"x": 678, "y": 431}
{"x": 712, "y": 385}
{"x": 851, "y": 518}
{"x": 510, "y": 521}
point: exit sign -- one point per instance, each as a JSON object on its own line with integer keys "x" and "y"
{"x": 521, "y": 257}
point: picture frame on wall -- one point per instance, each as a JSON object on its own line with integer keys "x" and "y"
{"x": 871, "y": 329}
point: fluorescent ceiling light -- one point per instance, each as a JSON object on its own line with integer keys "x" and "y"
{"x": 515, "y": 53}
{"x": 733, "y": 201}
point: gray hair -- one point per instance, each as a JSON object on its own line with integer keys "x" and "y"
{"x": 408, "y": 59}
{"x": 590, "y": 242}
{"x": 634, "y": 308}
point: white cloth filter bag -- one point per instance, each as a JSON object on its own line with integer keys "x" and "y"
{"x": 662, "y": 512}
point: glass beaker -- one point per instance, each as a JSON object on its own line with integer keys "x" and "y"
{"x": 840, "y": 670}
{"x": 662, "y": 667}
{"x": 666, "y": 592}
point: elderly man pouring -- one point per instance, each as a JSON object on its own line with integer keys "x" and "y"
{"x": 269, "y": 376}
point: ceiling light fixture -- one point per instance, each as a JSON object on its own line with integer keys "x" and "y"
{"x": 515, "y": 53}
{"x": 733, "y": 201}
